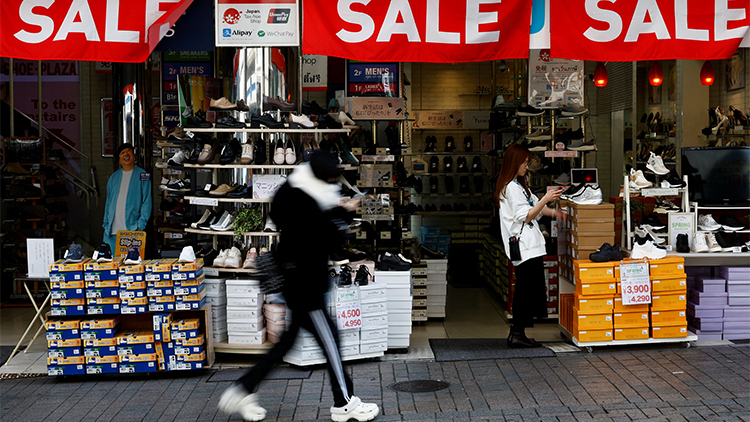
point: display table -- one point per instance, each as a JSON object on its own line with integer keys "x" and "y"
{"x": 37, "y": 316}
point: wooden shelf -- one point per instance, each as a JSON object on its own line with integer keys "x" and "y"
{"x": 230, "y": 233}
{"x": 237, "y": 200}
{"x": 243, "y": 166}
{"x": 266, "y": 130}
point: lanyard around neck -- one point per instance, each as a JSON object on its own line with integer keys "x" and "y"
{"x": 528, "y": 198}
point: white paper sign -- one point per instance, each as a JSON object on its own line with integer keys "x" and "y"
{"x": 266, "y": 185}
{"x": 635, "y": 283}
{"x": 348, "y": 312}
{"x": 314, "y": 72}
{"x": 40, "y": 254}
{"x": 256, "y": 23}
{"x": 554, "y": 82}
{"x": 681, "y": 223}
{"x": 211, "y": 202}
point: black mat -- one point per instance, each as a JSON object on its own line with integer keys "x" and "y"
{"x": 5, "y": 353}
{"x": 449, "y": 349}
{"x": 281, "y": 373}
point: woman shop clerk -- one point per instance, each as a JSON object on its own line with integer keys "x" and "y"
{"x": 519, "y": 212}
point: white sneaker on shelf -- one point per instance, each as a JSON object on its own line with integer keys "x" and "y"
{"x": 713, "y": 245}
{"x": 591, "y": 195}
{"x": 706, "y": 222}
{"x": 187, "y": 254}
{"x": 233, "y": 259}
{"x": 563, "y": 179}
{"x": 656, "y": 164}
{"x": 699, "y": 242}
{"x": 647, "y": 250}
{"x": 252, "y": 253}
{"x": 270, "y": 226}
{"x": 639, "y": 179}
{"x": 225, "y": 223}
{"x": 355, "y": 409}
{"x": 219, "y": 260}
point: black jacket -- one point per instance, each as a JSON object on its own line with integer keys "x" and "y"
{"x": 308, "y": 236}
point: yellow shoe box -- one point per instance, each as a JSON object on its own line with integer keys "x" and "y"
{"x": 592, "y": 303}
{"x": 592, "y": 320}
{"x": 631, "y": 318}
{"x": 186, "y": 324}
{"x": 669, "y": 330}
{"x": 592, "y": 335}
{"x": 68, "y": 302}
{"x": 619, "y": 307}
{"x": 72, "y": 360}
{"x": 596, "y": 287}
{"x": 136, "y": 337}
{"x": 666, "y": 283}
{"x": 669, "y": 300}
{"x": 144, "y": 357}
{"x": 662, "y": 317}
{"x": 71, "y": 324}
{"x": 631, "y": 333}
{"x": 100, "y": 342}
{"x": 669, "y": 265}
{"x": 588, "y": 270}
{"x": 95, "y": 324}
{"x": 94, "y": 360}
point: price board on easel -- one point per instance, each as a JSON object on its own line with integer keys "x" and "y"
{"x": 635, "y": 283}
{"x": 348, "y": 312}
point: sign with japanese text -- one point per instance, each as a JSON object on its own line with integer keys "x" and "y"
{"x": 256, "y": 23}
{"x": 364, "y": 108}
{"x": 554, "y": 83}
{"x": 635, "y": 283}
{"x": 127, "y": 239}
{"x": 373, "y": 78}
{"x": 438, "y": 119}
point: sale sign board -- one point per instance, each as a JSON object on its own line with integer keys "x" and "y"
{"x": 635, "y": 283}
{"x": 348, "y": 312}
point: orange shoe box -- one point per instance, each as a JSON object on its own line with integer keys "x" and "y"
{"x": 631, "y": 318}
{"x": 666, "y": 283}
{"x": 669, "y": 265}
{"x": 669, "y": 330}
{"x": 592, "y": 303}
{"x": 619, "y": 307}
{"x": 592, "y": 334}
{"x": 669, "y": 301}
{"x": 662, "y": 317}
{"x": 631, "y": 333}
{"x": 588, "y": 270}
{"x": 596, "y": 287}
{"x": 592, "y": 320}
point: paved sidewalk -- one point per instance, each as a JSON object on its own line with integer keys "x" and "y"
{"x": 669, "y": 384}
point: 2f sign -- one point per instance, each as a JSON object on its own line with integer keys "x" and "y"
{"x": 80, "y": 19}
{"x": 649, "y": 10}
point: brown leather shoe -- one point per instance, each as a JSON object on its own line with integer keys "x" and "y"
{"x": 208, "y": 153}
{"x": 269, "y": 103}
{"x": 222, "y": 104}
{"x": 222, "y": 190}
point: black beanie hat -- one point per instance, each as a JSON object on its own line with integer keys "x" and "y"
{"x": 324, "y": 165}
{"x": 122, "y": 148}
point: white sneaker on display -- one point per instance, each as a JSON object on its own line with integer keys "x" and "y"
{"x": 713, "y": 245}
{"x": 233, "y": 259}
{"x": 706, "y": 222}
{"x": 639, "y": 179}
{"x": 219, "y": 260}
{"x": 187, "y": 254}
{"x": 699, "y": 242}
{"x": 591, "y": 195}
{"x": 655, "y": 164}
{"x": 355, "y": 409}
{"x": 647, "y": 250}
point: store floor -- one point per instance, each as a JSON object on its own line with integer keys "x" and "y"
{"x": 471, "y": 313}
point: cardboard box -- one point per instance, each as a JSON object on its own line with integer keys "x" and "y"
{"x": 579, "y": 212}
{"x": 669, "y": 265}
{"x": 103, "y": 309}
{"x": 199, "y": 357}
{"x": 158, "y": 269}
{"x": 64, "y": 352}
{"x": 104, "y": 368}
{"x": 67, "y": 294}
{"x": 161, "y": 307}
{"x": 587, "y": 270}
{"x": 188, "y": 290}
{"x": 53, "y": 370}
{"x": 103, "y": 284}
{"x": 631, "y": 319}
{"x": 589, "y": 335}
{"x": 97, "y": 360}
{"x": 73, "y": 342}
{"x": 593, "y": 303}
{"x": 100, "y": 275}
{"x": 92, "y": 265}
{"x": 587, "y": 225}
{"x": 669, "y": 330}
{"x": 102, "y": 292}
{"x": 67, "y": 310}
{"x": 103, "y": 301}
{"x": 186, "y": 324}
{"x": 100, "y": 351}
{"x": 662, "y": 317}
{"x": 63, "y": 324}
{"x": 592, "y": 320}
{"x": 161, "y": 324}
{"x": 68, "y": 302}
{"x": 135, "y": 349}
{"x": 189, "y": 350}
{"x": 159, "y": 284}
{"x": 596, "y": 287}
{"x": 199, "y": 340}
{"x": 60, "y": 266}
{"x": 135, "y": 337}
{"x": 591, "y": 240}
{"x": 619, "y": 307}
{"x": 190, "y": 282}
{"x": 98, "y": 333}
{"x": 184, "y": 267}
{"x": 187, "y": 275}
{"x": 631, "y": 333}
{"x": 101, "y": 342}
{"x": 668, "y": 283}
{"x": 190, "y": 305}
{"x": 669, "y": 301}
{"x": 132, "y": 295}
{"x": 66, "y": 285}
{"x": 160, "y": 291}
{"x": 137, "y": 367}
{"x": 184, "y": 334}
{"x": 131, "y": 273}
{"x": 55, "y": 276}
{"x": 73, "y": 360}
{"x": 185, "y": 366}
{"x": 144, "y": 357}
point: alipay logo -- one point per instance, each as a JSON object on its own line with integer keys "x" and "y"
{"x": 227, "y": 32}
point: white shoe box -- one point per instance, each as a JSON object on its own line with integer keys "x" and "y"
{"x": 380, "y": 345}
{"x": 393, "y": 279}
{"x": 378, "y": 307}
{"x": 241, "y": 314}
{"x": 435, "y": 314}
{"x": 349, "y": 337}
{"x": 219, "y": 312}
{"x": 403, "y": 304}
{"x": 238, "y": 327}
{"x": 215, "y": 287}
{"x": 249, "y": 339}
{"x": 399, "y": 317}
{"x": 275, "y": 327}
{"x": 299, "y": 356}
{"x": 373, "y": 334}
{"x": 217, "y": 301}
{"x": 371, "y": 322}
{"x": 220, "y": 337}
{"x": 242, "y": 288}
{"x": 400, "y": 329}
{"x": 219, "y": 326}
{"x": 275, "y": 311}
{"x": 349, "y": 350}
{"x": 372, "y": 292}
{"x": 398, "y": 341}
{"x": 435, "y": 299}
{"x": 245, "y": 302}
{"x": 437, "y": 289}
{"x": 436, "y": 264}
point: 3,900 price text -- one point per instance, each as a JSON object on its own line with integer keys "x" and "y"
{"x": 638, "y": 288}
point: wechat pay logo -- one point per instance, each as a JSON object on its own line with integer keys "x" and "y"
{"x": 261, "y": 34}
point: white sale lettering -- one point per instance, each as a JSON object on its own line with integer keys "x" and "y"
{"x": 657, "y": 25}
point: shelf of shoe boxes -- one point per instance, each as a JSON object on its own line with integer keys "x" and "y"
{"x": 152, "y": 316}
{"x": 594, "y": 314}
{"x": 494, "y": 266}
{"x": 437, "y": 287}
{"x": 34, "y": 205}
{"x": 719, "y": 306}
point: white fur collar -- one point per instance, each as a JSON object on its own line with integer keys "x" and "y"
{"x": 327, "y": 195}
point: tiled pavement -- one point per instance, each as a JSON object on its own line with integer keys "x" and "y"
{"x": 661, "y": 384}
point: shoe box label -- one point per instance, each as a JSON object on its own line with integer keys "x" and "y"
{"x": 190, "y": 282}
{"x": 69, "y": 324}
{"x": 68, "y": 302}
{"x": 159, "y": 265}
{"x": 159, "y": 284}
{"x": 100, "y": 342}
{"x": 184, "y": 366}
{"x": 133, "y": 285}
{"x": 64, "y": 352}
{"x": 187, "y": 267}
{"x": 100, "y": 275}
{"x": 103, "y": 266}
{"x": 188, "y": 306}
{"x": 135, "y": 337}
{"x": 94, "y": 324}
{"x": 73, "y": 360}
{"x": 189, "y": 342}
{"x": 67, "y": 294}
{"x": 74, "y": 342}
{"x": 53, "y": 370}
{"x": 158, "y": 276}
{"x": 103, "y": 300}
{"x": 97, "y": 360}
{"x": 98, "y": 333}
{"x": 58, "y": 276}
{"x": 134, "y": 294}
{"x": 187, "y": 275}
{"x": 194, "y": 297}
{"x": 100, "y": 351}
{"x": 184, "y": 334}
{"x": 62, "y": 334}
{"x": 109, "y": 368}
{"x": 130, "y": 310}
{"x": 161, "y": 299}
{"x": 196, "y": 357}
{"x": 165, "y": 291}
{"x": 161, "y": 324}
{"x": 65, "y": 285}
{"x": 144, "y": 357}
{"x": 103, "y": 284}
{"x": 135, "y": 349}
{"x": 129, "y": 278}
{"x": 161, "y": 307}
{"x": 187, "y": 290}
{"x": 189, "y": 350}
{"x": 102, "y": 293}
{"x": 186, "y": 324}
{"x": 103, "y": 309}
{"x": 137, "y": 367}
{"x": 135, "y": 301}
{"x": 131, "y": 269}
{"x": 60, "y": 266}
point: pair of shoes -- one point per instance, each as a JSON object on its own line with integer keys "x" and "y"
{"x": 363, "y": 276}
{"x": 607, "y": 253}
{"x": 517, "y": 339}
{"x": 103, "y": 254}
{"x": 682, "y": 243}
{"x": 705, "y": 242}
{"x": 355, "y": 409}
{"x": 224, "y": 223}
{"x": 390, "y": 262}
{"x": 284, "y": 152}
{"x": 237, "y": 400}
{"x": 646, "y": 249}
{"x": 589, "y": 195}
{"x": 229, "y": 258}
{"x": 180, "y": 185}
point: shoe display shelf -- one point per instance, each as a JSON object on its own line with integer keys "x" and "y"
{"x": 171, "y": 232}
{"x": 734, "y": 257}
{"x": 494, "y": 266}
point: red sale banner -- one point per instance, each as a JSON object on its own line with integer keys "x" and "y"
{"x": 89, "y": 30}
{"x": 417, "y": 30}
{"x": 610, "y": 30}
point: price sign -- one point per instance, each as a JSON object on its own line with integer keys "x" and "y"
{"x": 211, "y": 202}
{"x": 348, "y": 312}
{"x": 635, "y": 283}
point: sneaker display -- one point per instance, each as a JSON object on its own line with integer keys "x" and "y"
{"x": 208, "y": 215}
{"x": 233, "y": 258}
{"x": 187, "y": 254}
{"x": 699, "y": 242}
{"x": 224, "y": 223}
{"x": 591, "y": 195}
{"x": 572, "y": 191}
{"x": 219, "y": 260}
{"x": 252, "y": 253}
{"x": 528, "y": 110}
{"x": 647, "y": 250}
{"x": 651, "y": 221}
{"x": 133, "y": 257}
{"x": 74, "y": 253}
{"x": 181, "y": 185}
{"x": 682, "y": 243}
{"x": 270, "y": 226}
{"x": 177, "y": 161}
{"x": 638, "y": 179}
{"x": 665, "y": 206}
{"x": 540, "y": 135}
{"x": 573, "y": 110}
{"x": 355, "y": 409}
{"x": 103, "y": 254}
{"x": 563, "y": 179}
{"x": 607, "y": 253}
{"x": 722, "y": 238}
{"x": 582, "y": 145}
{"x": 730, "y": 222}
{"x": 706, "y": 222}
{"x": 655, "y": 164}
{"x": 713, "y": 245}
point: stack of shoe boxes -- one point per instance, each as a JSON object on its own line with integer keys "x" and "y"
{"x": 133, "y": 295}
{"x": 437, "y": 287}
{"x": 189, "y": 287}
{"x": 189, "y": 345}
{"x": 100, "y": 346}
{"x": 551, "y": 271}
{"x": 373, "y": 336}
{"x": 432, "y": 238}
{"x": 631, "y": 322}
{"x": 668, "y": 297}
{"x": 593, "y": 301}
{"x": 66, "y": 282}
{"x": 707, "y": 299}
{"x": 64, "y": 347}
{"x": 216, "y": 295}
{"x": 136, "y": 352}
{"x": 245, "y": 312}
{"x": 159, "y": 285}
{"x": 419, "y": 289}
{"x": 161, "y": 326}
{"x": 737, "y": 312}
{"x": 587, "y": 228}
{"x": 494, "y": 267}
{"x": 306, "y": 350}
{"x": 275, "y": 314}
{"x": 399, "y": 302}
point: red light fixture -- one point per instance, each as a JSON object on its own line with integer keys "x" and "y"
{"x": 655, "y": 74}
{"x": 600, "y": 75}
{"x": 707, "y": 73}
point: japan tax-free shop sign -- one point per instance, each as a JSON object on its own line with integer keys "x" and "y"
{"x": 256, "y": 23}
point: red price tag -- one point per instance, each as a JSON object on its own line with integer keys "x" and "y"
{"x": 635, "y": 283}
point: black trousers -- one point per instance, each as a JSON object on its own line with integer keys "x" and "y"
{"x": 530, "y": 295}
{"x": 324, "y": 329}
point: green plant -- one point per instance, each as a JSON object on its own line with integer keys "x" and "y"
{"x": 248, "y": 219}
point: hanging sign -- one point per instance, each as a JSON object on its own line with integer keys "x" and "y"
{"x": 417, "y": 30}
{"x": 635, "y": 283}
{"x": 554, "y": 83}
{"x": 647, "y": 29}
{"x": 314, "y": 72}
{"x": 367, "y": 108}
{"x": 256, "y": 23}
{"x": 438, "y": 119}
{"x": 348, "y": 312}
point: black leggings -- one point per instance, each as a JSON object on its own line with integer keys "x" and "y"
{"x": 324, "y": 329}
{"x": 530, "y": 295}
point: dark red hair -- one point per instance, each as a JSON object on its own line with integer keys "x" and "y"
{"x": 514, "y": 156}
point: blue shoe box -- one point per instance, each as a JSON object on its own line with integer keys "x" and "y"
{"x": 104, "y": 368}
{"x": 68, "y": 310}
{"x": 100, "y": 275}
{"x": 188, "y": 350}
{"x": 63, "y": 334}
{"x": 102, "y": 292}
{"x": 103, "y": 284}
{"x": 68, "y": 294}
{"x": 113, "y": 308}
{"x": 100, "y": 351}
{"x": 186, "y": 306}
{"x": 99, "y": 333}
{"x": 135, "y": 349}
{"x": 54, "y": 370}
{"x": 160, "y": 291}
{"x": 185, "y": 334}
{"x": 137, "y": 367}
{"x": 186, "y": 275}
{"x": 63, "y": 352}
{"x": 132, "y": 293}
{"x": 180, "y": 289}
{"x": 161, "y": 307}
{"x": 131, "y": 310}
{"x": 55, "y": 276}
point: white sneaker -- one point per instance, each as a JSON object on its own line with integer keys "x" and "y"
{"x": 591, "y": 195}
{"x": 540, "y": 135}
{"x": 187, "y": 254}
{"x": 270, "y": 226}
{"x": 236, "y": 400}
{"x": 233, "y": 259}
{"x": 655, "y": 164}
{"x": 563, "y": 179}
{"x": 224, "y": 223}
{"x": 713, "y": 245}
{"x": 706, "y": 222}
{"x": 171, "y": 181}
{"x": 345, "y": 120}
{"x": 647, "y": 250}
{"x": 247, "y": 153}
{"x": 219, "y": 260}
{"x": 177, "y": 160}
{"x": 252, "y": 253}
{"x": 355, "y": 409}
{"x": 699, "y": 242}
{"x": 639, "y": 179}
{"x": 300, "y": 121}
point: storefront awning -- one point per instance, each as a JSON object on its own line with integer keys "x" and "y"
{"x": 89, "y": 30}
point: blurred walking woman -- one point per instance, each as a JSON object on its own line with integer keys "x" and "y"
{"x": 520, "y": 211}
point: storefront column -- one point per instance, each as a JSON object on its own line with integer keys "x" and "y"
{"x": 131, "y": 98}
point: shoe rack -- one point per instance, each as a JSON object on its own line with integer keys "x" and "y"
{"x": 735, "y": 257}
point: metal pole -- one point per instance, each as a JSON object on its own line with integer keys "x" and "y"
{"x": 12, "y": 109}
{"x": 39, "y": 90}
